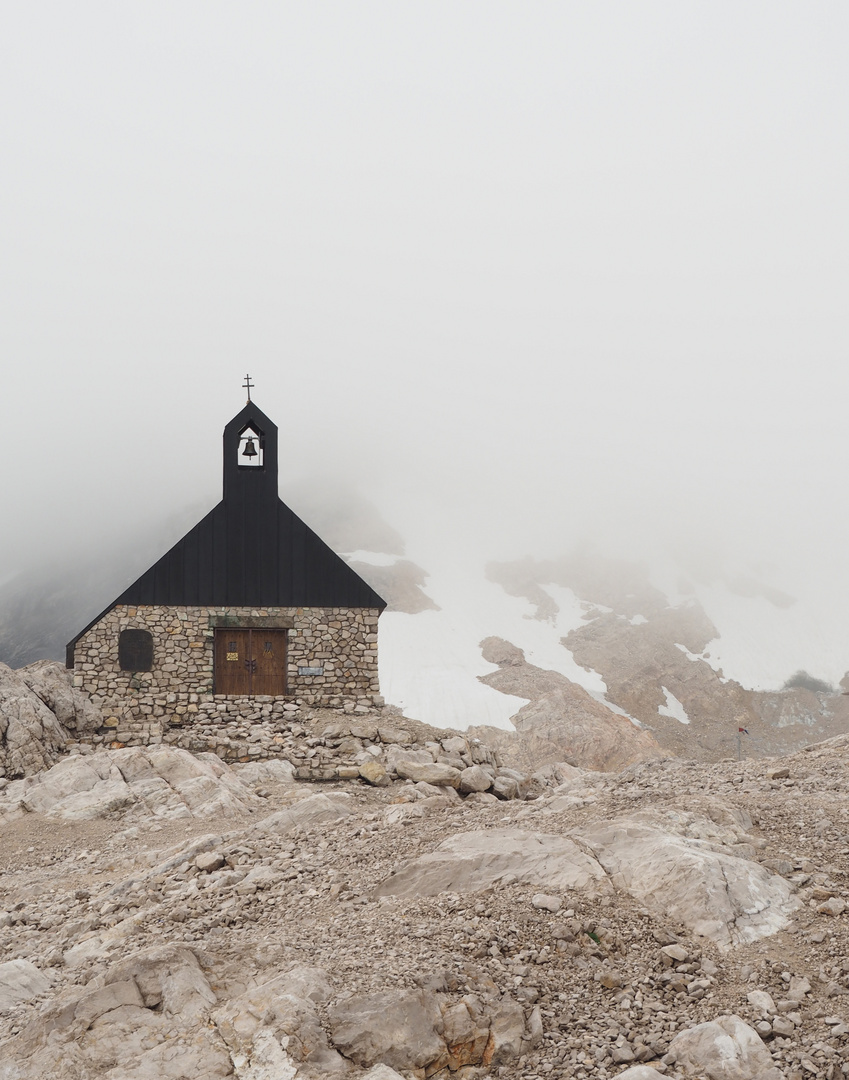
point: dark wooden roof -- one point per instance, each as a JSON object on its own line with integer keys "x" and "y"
{"x": 251, "y": 550}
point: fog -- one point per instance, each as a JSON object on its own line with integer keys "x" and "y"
{"x": 521, "y": 274}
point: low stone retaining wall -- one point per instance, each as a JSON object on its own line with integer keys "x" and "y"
{"x": 334, "y": 749}
{"x": 212, "y": 720}
{"x": 321, "y": 746}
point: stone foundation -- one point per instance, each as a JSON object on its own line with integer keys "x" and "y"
{"x": 319, "y": 744}
{"x": 331, "y": 662}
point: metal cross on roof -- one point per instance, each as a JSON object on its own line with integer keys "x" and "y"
{"x": 248, "y": 384}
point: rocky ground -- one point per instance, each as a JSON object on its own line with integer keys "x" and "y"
{"x": 196, "y": 920}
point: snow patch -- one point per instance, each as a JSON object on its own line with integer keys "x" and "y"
{"x": 688, "y": 654}
{"x": 428, "y": 665}
{"x": 761, "y": 645}
{"x": 545, "y": 648}
{"x": 673, "y": 708}
{"x": 428, "y": 662}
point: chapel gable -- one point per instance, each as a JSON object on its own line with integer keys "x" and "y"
{"x": 250, "y": 606}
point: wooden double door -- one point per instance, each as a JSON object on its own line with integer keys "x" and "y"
{"x": 249, "y": 662}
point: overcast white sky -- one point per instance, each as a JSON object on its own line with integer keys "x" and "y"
{"x": 551, "y": 267}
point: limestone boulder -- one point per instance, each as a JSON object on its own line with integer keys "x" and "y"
{"x": 472, "y": 861}
{"x": 52, "y": 682}
{"x": 20, "y": 981}
{"x": 169, "y": 979}
{"x": 374, "y": 773}
{"x": 523, "y": 783}
{"x": 31, "y": 738}
{"x": 762, "y": 1003}
{"x": 432, "y": 772}
{"x": 724, "y": 1049}
{"x": 395, "y": 1028}
{"x": 277, "y": 1024}
{"x": 308, "y": 813}
{"x": 728, "y": 899}
{"x": 395, "y": 753}
{"x": 511, "y": 1034}
{"x": 158, "y": 782}
{"x": 466, "y": 1033}
{"x": 474, "y": 778}
{"x": 505, "y": 787}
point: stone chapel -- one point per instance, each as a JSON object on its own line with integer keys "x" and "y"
{"x": 249, "y": 611}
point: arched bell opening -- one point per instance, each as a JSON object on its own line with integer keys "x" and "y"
{"x": 250, "y": 452}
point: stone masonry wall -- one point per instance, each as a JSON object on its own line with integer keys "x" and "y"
{"x": 139, "y": 707}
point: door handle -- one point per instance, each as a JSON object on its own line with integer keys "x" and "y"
{"x": 250, "y": 665}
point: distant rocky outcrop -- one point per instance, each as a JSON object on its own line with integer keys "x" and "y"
{"x": 561, "y": 722}
{"x": 654, "y": 661}
{"x": 618, "y": 584}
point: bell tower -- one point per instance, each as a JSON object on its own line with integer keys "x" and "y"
{"x": 250, "y": 456}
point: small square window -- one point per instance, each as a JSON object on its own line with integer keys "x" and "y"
{"x": 135, "y": 650}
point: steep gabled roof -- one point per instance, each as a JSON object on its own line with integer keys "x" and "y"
{"x": 251, "y": 550}
{"x": 271, "y": 560}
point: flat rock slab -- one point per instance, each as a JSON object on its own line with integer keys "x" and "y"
{"x": 20, "y": 981}
{"x": 162, "y": 782}
{"x": 727, "y": 899}
{"x": 395, "y": 1028}
{"x": 430, "y": 772}
{"x": 724, "y": 1049}
{"x": 470, "y": 862}
{"x": 308, "y": 813}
